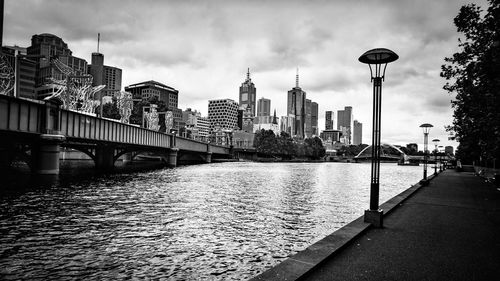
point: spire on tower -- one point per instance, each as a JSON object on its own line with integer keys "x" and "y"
{"x": 297, "y": 79}
{"x": 98, "y": 39}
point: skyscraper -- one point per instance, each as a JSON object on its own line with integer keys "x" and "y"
{"x": 105, "y": 75}
{"x": 358, "y": 133}
{"x": 296, "y": 108}
{"x": 264, "y": 107}
{"x": 248, "y": 94}
{"x": 314, "y": 118}
{"x": 345, "y": 123}
{"x": 329, "y": 120}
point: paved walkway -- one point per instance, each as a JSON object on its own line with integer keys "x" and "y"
{"x": 448, "y": 230}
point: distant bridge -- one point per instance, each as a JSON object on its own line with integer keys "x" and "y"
{"x": 36, "y": 130}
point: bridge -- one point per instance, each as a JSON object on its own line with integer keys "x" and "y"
{"x": 35, "y": 131}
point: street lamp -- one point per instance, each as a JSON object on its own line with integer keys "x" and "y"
{"x": 435, "y": 141}
{"x": 426, "y": 128}
{"x": 376, "y": 58}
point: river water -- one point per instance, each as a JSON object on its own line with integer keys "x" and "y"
{"x": 221, "y": 221}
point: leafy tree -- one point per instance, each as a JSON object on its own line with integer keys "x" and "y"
{"x": 265, "y": 142}
{"x": 286, "y": 146}
{"x": 109, "y": 110}
{"x": 473, "y": 76}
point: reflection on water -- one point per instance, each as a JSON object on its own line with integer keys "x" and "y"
{"x": 227, "y": 221}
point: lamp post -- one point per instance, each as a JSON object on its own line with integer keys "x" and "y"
{"x": 376, "y": 59}
{"x": 435, "y": 141}
{"x": 426, "y": 128}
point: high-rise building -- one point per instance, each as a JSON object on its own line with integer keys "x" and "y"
{"x": 105, "y": 75}
{"x": 24, "y": 70}
{"x": 296, "y": 108}
{"x": 345, "y": 123}
{"x": 248, "y": 94}
{"x": 264, "y": 107}
{"x": 148, "y": 89}
{"x": 329, "y": 120}
{"x": 314, "y": 118}
{"x": 223, "y": 114}
{"x": 358, "y": 133}
{"x": 263, "y": 110}
{"x": 47, "y": 47}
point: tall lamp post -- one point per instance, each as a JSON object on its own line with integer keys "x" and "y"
{"x": 377, "y": 60}
{"x": 426, "y": 128}
{"x": 435, "y": 141}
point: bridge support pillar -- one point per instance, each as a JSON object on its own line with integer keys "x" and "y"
{"x": 127, "y": 157}
{"x": 45, "y": 157}
{"x": 6, "y": 156}
{"x": 172, "y": 157}
{"x": 104, "y": 158}
{"x": 208, "y": 157}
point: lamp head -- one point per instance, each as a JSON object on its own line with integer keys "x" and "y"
{"x": 426, "y": 127}
{"x": 377, "y": 57}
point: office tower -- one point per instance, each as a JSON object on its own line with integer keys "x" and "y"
{"x": 263, "y": 110}
{"x": 308, "y": 120}
{"x": 47, "y": 47}
{"x": 345, "y": 123}
{"x": 329, "y": 120}
{"x": 296, "y": 109}
{"x": 248, "y": 94}
{"x": 314, "y": 118}
{"x": 148, "y": 89}
{"x": 223, "y": 114}
{"x": 358, "y": 133}
{"x": 24, "y": 69}
{"x": 105, "y": 75}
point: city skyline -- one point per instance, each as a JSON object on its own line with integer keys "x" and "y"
{"x": 324, "y": 43}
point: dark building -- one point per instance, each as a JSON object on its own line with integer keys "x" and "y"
{"x": 314, "y": 118}
{"x": 345, "y": 123}
{"x": 329, "y": 121}
{"x": 149, "y": 89}
{"x": 105, "y": 75}
{"x": 248, "y": 94}
{"x": 47, "y": 47}
{"x": 296, "y": 108}
{"x": 357, "y": 133}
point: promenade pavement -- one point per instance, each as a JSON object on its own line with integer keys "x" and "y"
{"x": 448, "y": 230}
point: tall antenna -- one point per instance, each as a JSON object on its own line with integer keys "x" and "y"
{"x": 98, "y": 39}
{"x": 248, "y": 74}
{"x": 297, "y": 78}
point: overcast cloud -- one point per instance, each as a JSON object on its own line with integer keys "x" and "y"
{"x": 203, "y": 48}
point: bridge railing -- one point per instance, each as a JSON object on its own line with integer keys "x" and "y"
{"x": 20, "y": 115}
{"x": 82, "y": 126}
{"x": 39, "y": 117}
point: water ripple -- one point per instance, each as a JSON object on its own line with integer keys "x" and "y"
{"x": 227, "y": 221}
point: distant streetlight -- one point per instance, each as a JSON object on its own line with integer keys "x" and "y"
{"x": 426, "y": 128}
{"x": 435, "y": 141}
{"x": 376, "y": 58}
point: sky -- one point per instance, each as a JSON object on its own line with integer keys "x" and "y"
{"x": 203, "y": 49}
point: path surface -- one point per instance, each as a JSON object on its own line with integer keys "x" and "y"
{"x": 448, "y": 230}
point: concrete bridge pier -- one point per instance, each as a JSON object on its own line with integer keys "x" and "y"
{"x": 104, "y": 157}
{"x": 45, "y": 154}
{"x": 208, "y": 157}
{"x": 172, "y": 157}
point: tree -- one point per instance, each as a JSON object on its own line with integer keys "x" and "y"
{"x": 473, "y": 76}
{"x": 110, "y": 110}
{"x": 265, "y": 142}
